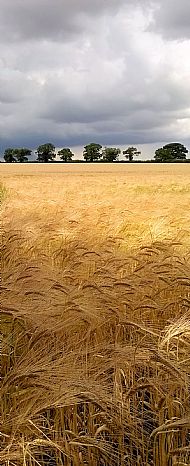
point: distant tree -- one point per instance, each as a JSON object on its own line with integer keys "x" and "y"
{"x": 17, "y": 154}
{"x": 130, "y": 153}
{"x": 92, "y": 152}
{"x": 66, "y": 154}
{"x": 22, "y": 154}
{"x": 171, "y": 152}
{"x": 46, "y": 153}
{"x": 9, "y": 155}
{"x": 110, "y": 154}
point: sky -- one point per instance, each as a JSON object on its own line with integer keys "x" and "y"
{"x": 115, "y": 72}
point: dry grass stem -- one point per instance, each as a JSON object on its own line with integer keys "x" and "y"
{"x": 95, "y": 319}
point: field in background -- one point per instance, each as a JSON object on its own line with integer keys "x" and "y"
{"x": 95, "y": 333}
{"x": 139, "y": 203}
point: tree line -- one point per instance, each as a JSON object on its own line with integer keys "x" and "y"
{"x": 94, "y": 153}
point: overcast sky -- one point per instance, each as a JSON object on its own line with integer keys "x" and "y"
{"x": 116, "y": 72}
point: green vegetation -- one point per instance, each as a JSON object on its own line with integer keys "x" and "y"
{"x": 17, "y": 155}
{"x": 65, "y": 154}
{"x": 171, "y": 152}
{"x": 9, "y": 155}
{"x": 46, "y": 153}
{"x": 130, "y": 153}
{"x": 110, "y": 154}
{"x": 93, "y": 152}
{"x": 22, "y": 154}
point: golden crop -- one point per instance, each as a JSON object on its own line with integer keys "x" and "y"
{"x": 95, "y": 308}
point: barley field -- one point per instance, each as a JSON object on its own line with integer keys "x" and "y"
{"x": 95, "y": 315}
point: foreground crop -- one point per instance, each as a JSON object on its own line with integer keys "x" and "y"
{"x": 94, "y": 355}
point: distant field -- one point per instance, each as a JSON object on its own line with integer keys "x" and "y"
{"x": 95, "y": 315}
{"x": 139, "y": 203}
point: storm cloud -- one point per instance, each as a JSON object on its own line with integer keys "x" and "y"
{"x": 172, "y": 19}
{"x": 112, "y": 71}
{"x": 51, "y": 20}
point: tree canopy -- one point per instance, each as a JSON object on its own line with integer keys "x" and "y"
{"x": 92, "y": 152}
{"x": 22, "y": 154}
{"x": 130, "y": 152}
{"x": 65, "y": 154}
{"x": 171, "y": 152}
{"x": 9, "y": 155}
{"x": 46, "y": 152}
{"x": 17, "y": 155}
{"x": 110, "y": 154}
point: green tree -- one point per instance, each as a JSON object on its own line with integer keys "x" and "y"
{"x": 17, "y": 154}
{"x": 171, "y": 152}
{"x": 110, "y": 154}
{"x": 66, "y": 154}
{"x": 9, "y": 155}
{"x": 22, "y": 154}
{"x": 46, "y": 153}
{"x": 130, "y": 152}
{"x": 92, "y": 152}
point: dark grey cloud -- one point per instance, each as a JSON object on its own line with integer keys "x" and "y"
{"x": 76, "y": 71}
{"x": 45, "y": 19}
{"x": 172, "y": 19}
